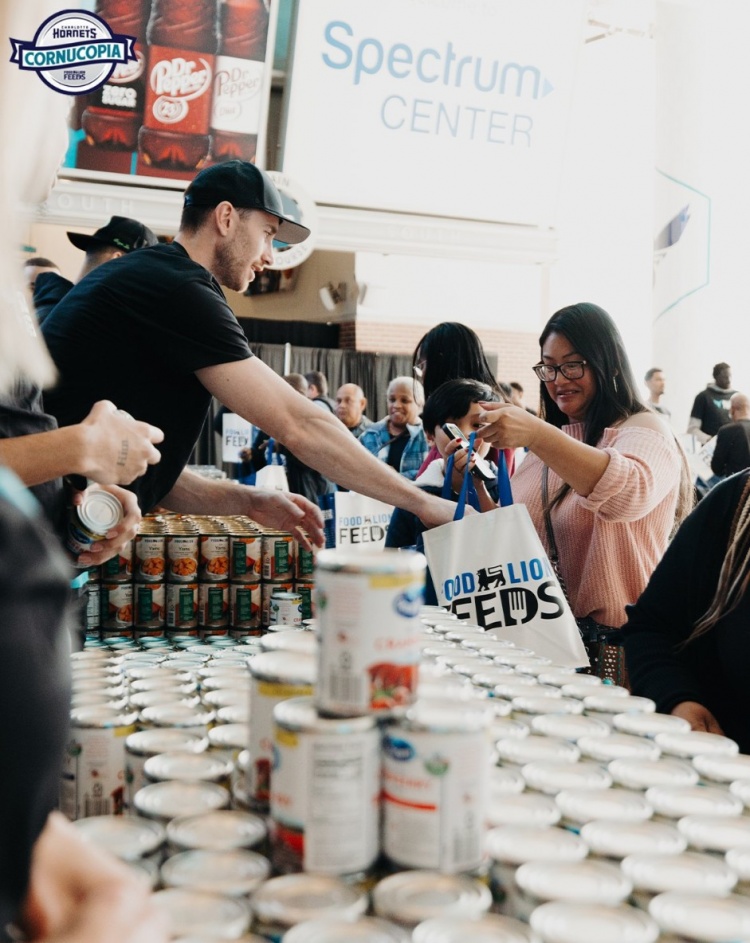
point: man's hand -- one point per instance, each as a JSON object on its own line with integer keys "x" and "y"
{"x": 117, "y": 538}
{"x": 437, "y": 511}
{"x": 118, "y": 449}
{"x": 698, "y": 716}
{"x": 288, "y": 512}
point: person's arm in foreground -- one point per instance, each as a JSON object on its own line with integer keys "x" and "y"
{"x": 109, "y": 447}
{"x": 316, "y": 436}
{"x": 80, "y": 894}
{"x": 118, "y": 537}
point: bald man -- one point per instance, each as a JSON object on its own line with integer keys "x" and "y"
{"x": 350, "y": 407}
{"x": 732, "y": 452}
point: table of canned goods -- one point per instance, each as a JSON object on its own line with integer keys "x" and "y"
{"x": 381, "y": 778}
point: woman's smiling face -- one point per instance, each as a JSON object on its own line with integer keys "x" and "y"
{"x": 573, "y": 397}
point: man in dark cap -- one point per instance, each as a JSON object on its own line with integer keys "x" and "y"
{"x": 170, "y": 341}
{"x": 120, "y": 236}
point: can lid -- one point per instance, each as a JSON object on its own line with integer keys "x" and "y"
{"x": 506, "y": 781}
{"x": 536, "y": 747}
{"x": 594, "y": 882}
{"x": 176, "y": 715}
{"x": 389, "y": 561}
{"x": 723, "y": 769}
{"x": 162, "y": 740}
{"x": 189, "y": 767}
{"x": 235, "y": 873}
{"x": 100, "y": 511}
{"x": 505, "y": 728}
{"x": 585, "y": 805}
{"x": 289, "y": 667}
{"x": 512, "y": 686}
{"x": 550, "y": 777}
{"x": 287, "y": 641}
{"x": 524, "y": 809}
{"x": 695, "y": 742}
{"x": 677, "y": 801}
{"x": 221, "y": 830}
{"x": 618, "y": 745}
{"x": 167, "y": 800}
{"x": 738, "y": 860}
{"x": 364, "y": 930}
{"x": 487, "y": 676}
{"x": 230, "y": 736}
{"x": 716, "y": 832}
{"x": 648, "y": 725}
{"x": 689, "y": 871}
{"x": 570, "y": 922}
{"x": 202, "y": 914}
{"x": 741, "y": 789}
{"x": 701, "y": 917}
{"x": 558, "y": 675}
{"x": 517, "y": 844}
{"x": 413, "y": 896}
{"x": 492, "y": 928}
{"x": 300, "y": 714}
{"x": 637, "y": 772}
{"x": 128, "y": 837}
{"x": 292, "y": 898}
{"x": 102, "y": 716}
{"x": 529, "y": 704}
{"x": 569, "y": 727}
{"x": 619, "y": 839}
{"x": 609, "y": 703}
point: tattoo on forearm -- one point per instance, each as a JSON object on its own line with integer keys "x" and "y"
{"x": 124, "y": 449}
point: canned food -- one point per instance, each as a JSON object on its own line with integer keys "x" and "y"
{"x": 213, "y": 608}
{"x": 492, "y": 927}
{"x": 127, "y": 837}
{"x": 618, "y": 746}
{"x": 364, "y": 930}
{"x": 277, "y": 556}
{"x": 587, "y": 882}
{"x": 149, "y": 607}
{"x": 282, "y": 902}
{"x": 635, "y": 772}
{"x": 617, "y": 840}
{"x": 410, "y": 897}
{"x": 290, "y": 640}
{"x": 167, "y": 800}
{"x": 689, "y": 872}
{"x": 518, "y": 752}
{"x": 182, "y": 557}
{"x": 142, "y": 744}
{"x": 234, "y": 873}
{"x": 436, "y": 764}
{"x": 116, "y": 606}
{"x": 695, "y": 742}
{"x": 245, "y": 606}
{"x": 648, "y": 725}
{"x": 579, "y": 806}
{"x": 213, "y": 561}
{"x": 324, "y": 792}
{"x": 199, "y": 914}
{"x": 274, "y": 677}
{"x": 188, "y": 720}
{"x": 149, "y": 555}
{"x": 702, "y": 918}
{"x": 93, "y": 774}
{"x": 550, "y": 777}
{"x": 285, "y": 609}
{"x": 223, "y": 830}
{"x": 368, "y": 605}
{"x": 673, "y": 802}
{"x": 188, "y": 767}
{"x": 182, "y": 606}
{"x": 722, "y": 769}
{"x": 245, "y": 555}
{"x": 526, "y": 809}
{"x": 119, "y": 569}
{"x": 563, "y": 921}
{"x": 93, "y": 610}
{"x": 91, "y": 520}
{"x": 715, "y": 833}
{"x": 569, "y": 727}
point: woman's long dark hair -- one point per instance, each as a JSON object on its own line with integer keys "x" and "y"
{"x": 453, "y": 351}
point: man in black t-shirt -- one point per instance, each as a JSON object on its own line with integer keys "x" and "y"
{"x": 153, "y": 332}
{"x": 711, "y": 406}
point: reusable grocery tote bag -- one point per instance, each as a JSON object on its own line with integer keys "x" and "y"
{"x": 361, "y": 523}
{"x": 273, "y": 475}
{"x": 491, "y": 569}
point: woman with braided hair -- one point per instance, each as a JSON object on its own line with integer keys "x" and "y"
{"x": 687, "y": 638}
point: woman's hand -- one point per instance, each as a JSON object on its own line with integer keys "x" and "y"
{"x": 508, "y": 426}
{"x": 117, "y": 538}
{"x": 698, "y": 716}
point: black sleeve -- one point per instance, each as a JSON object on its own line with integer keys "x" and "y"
{"x": 677, "y": 595}
{"x": 699, "y": 408}
{"x": 403, "y": 530}
{"x": 34, "y": 680}
{"x": 721, "y": 451}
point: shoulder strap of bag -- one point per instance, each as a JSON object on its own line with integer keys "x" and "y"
{"x": 468, "y": 492}
{"x": 554, "y": 557}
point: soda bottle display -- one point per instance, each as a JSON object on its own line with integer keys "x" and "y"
{"x": 238, "y": 80}
{"x": 183, "y": 40}
{"x": 114, "y": 112}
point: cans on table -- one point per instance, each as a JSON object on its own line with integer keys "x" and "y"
{"x": 182, "y": 555}
{"x": 245, "y": 554}
{"x": 324, "y": 791}
{"x": 149, "y": 553}
{"x": 277, "y": 549}
{"x": 116, "y": 601}
{"x": 213, "y": 554}
{"x": 286, "y": 609}
{"x": 142, "y": 744}
{"x": 282, "y": 902}
{"x": 368, "y": 606}
{"x": 244, "y": 607}
{"x": 410, "y": 897}
{"x": 90, "y": 521}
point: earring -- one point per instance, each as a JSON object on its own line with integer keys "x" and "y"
{"x": 614, "y": 382}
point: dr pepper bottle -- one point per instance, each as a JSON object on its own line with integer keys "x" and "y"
{"x": 183, "y": 41}
{"x": 114, "y": 112}
{"x": 235, "y": 114}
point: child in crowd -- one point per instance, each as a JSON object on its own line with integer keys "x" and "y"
{"x": 458, "y": 402}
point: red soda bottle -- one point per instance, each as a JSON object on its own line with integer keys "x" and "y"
{"x": 114, "y": 112}
{"x": 183, "y": 40}
{"x": 238, "y": 80}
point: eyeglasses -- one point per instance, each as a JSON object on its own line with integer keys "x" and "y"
{"x": 572, "y": 370}
{"x": 418, "y": 369}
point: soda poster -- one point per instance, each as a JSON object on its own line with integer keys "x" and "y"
{"x": 196, "y": 94}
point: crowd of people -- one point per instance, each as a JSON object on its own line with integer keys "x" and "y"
{"x": 603, "y": 476}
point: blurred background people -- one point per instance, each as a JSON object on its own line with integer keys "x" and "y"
{"x": 710, "y": 409}
{"x": 350, "y": 408}
{"x": 732, "y": 447}
{"x": 317, "y": 389}
{"x": 655, "y": 384}
{"x": 398, "y": 439}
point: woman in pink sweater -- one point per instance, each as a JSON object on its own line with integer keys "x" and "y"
{"x": 617, "y": 479}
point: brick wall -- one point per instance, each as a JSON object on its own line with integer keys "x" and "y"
{"x": 516, "y": 351}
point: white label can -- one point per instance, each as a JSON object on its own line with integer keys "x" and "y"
{"x": 368, "y": 606}
{"x": 325, "y": 791}
{"x": 436, "y": 771}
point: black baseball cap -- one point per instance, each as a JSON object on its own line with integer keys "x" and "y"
{"x": 120, "y": 232}
{"x": 248, "y": 187}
